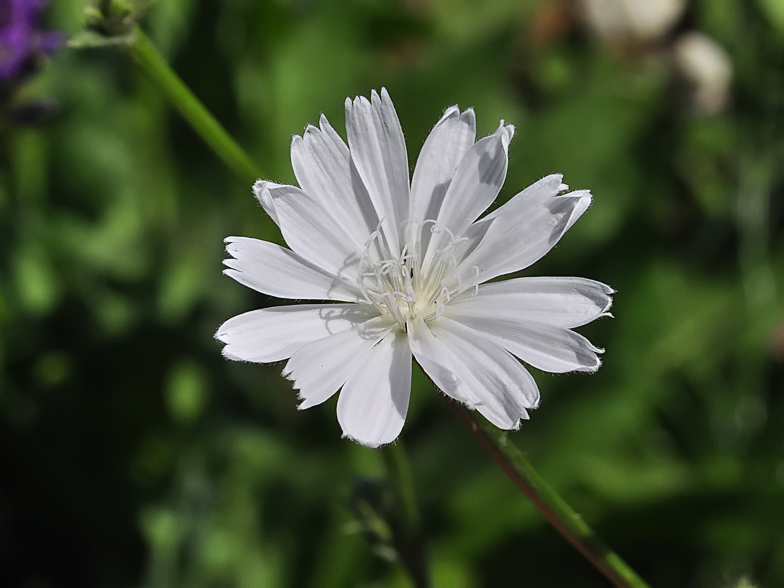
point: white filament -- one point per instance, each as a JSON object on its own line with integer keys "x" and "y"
{"x": 408, "y": 284}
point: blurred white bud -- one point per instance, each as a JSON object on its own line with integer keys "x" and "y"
{"x": 706, "y": 68}
{"x": 632, "y": 20}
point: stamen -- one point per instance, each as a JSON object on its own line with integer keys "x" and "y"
{"x": 400, "y": 283}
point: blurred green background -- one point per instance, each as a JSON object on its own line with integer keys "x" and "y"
{"x": 132, "y": 454}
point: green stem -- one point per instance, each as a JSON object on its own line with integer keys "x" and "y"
{"x": 148, "y": 59}
{"x": 547, "y": 500}
{"x": 402, "y": 482}
{"x": 407, "y": 537}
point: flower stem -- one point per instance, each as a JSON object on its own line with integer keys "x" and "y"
{"x": 152, "y": 63}
{"x": 547, "y": 500}
{"x": 407, "y": 536}
{"x": 402, "y": 482}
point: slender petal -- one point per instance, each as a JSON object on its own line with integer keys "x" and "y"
{"x": 476, "y": 184}
{"x": 271, "y": 269}
{"x": 443, "y": 150}
{"x": 379, "y": 152}
{"x": 560, "y": 302}
{"x": 548, "y": 348}
{"x": 483, "y": 374}
{"x": 477, "y": 181}
{"x": 323, "y": 166}
{"x": 272, "y": 334}
{"x": 261, "y": 190}
{"x": 311, "y": 230}
{"x": 320, "y": 368}
{"x": 373, "y": 404}
{"x": 522, "y": 231}
{"x": 437, "y": 362}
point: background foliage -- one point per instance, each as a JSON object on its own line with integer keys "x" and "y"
{"x": 134, "y": 455}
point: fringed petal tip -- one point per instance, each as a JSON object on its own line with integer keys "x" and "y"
{"x": 258, "y": 186}
{"x": 609, "y": 292}
{"x": 261, "y": 190}
{"x": 608, "y": 305}
{"x": 226, "y": 352}
{"x": 592, "y": 369}
{"x": 304, "y": 403}
{"x": 219, "y": 334}
{"x": 231, "y": 247}
{"x": 551, "y": 179}
{"x": 453, "y": 110}
{"x": 309, "y": 130}
{"x": 509, "y": 131}
{"x": 518, "y": 425}
{"x": 478, "y": 406}
{"x": 524, "y": 416}
{"x": 222, "y": 333}
{"x": 584, "y": 202}
{"x": 368, "y": 444}
{"x": 286, "y": 372}
{"x": 578, "y": 193}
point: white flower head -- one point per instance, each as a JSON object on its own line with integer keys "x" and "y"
{"x": 403, "y": 266}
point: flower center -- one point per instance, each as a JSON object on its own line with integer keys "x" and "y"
{"x": 399, "y": 284}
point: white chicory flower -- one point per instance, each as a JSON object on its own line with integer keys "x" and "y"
{"x": 403, "y": 266}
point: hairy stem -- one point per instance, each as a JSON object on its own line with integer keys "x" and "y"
{"x": 547, "y": 500}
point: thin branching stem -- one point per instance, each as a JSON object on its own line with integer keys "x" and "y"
{"x": 547, "y": 500}
{"x": 192, "y": 110}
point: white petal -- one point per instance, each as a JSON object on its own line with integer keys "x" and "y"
{"x": 434, "y": 357}
{"x": 443, "y": 150}
{"x": 483, "y": 374}
{"x": 373, "y": 404}
{"x": 271, "y": 269}
{"x": 324, "y": 170}
{"x": 477, "y": 181}
{"x": 560, "y": 302}
{"x": 548, "y": 348}
{"x": 272, "y": 334}
{"x": 320, "y": 368}
{"x": 379, "y": 152}
{"x": 522, "y": 231}
{"x": 261, "y": 190}
{"x": 311, "y": 230}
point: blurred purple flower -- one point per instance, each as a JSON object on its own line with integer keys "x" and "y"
{"x": 22, "y": 42}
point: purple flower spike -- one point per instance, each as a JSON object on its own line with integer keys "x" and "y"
{"x": 22, "y": 42}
